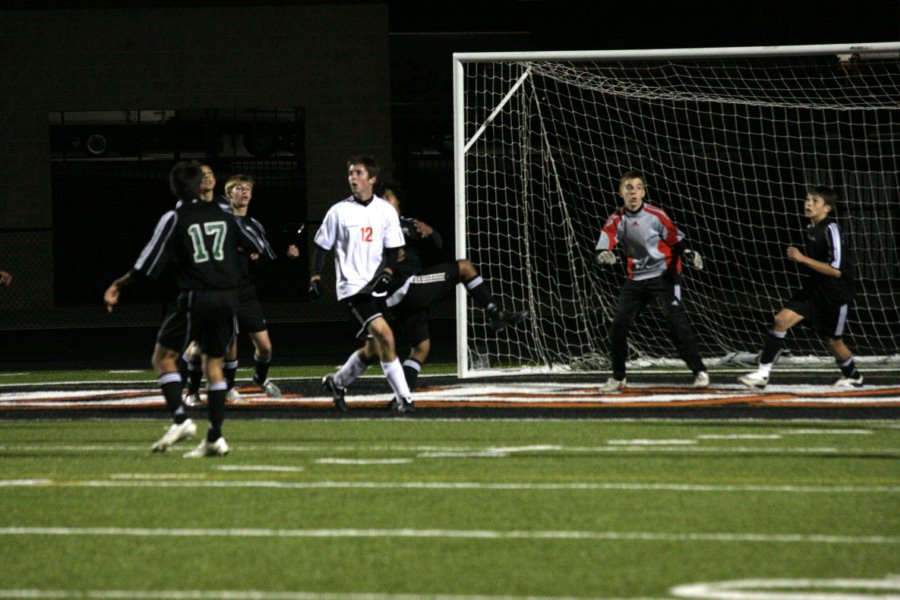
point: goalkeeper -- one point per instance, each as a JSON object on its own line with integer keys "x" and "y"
{"x": 654, "y": 248}
{"x": 363, "y": 230}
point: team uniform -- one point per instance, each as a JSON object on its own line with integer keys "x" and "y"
{"x": 416, "y": 288}
{"x": 359, "y": 233}
{"x": 823, "y": 301}
{"x": 201, "y": 244}
{"x": 652, "y": 243}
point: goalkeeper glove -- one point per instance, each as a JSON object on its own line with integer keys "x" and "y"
{"x": 606, "y": 257}
{"x": 315, "y": 289}
{"x": 381, "y": 283}
{"x": 694, "y": 259}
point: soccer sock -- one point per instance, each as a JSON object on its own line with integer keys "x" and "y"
{"x": 848, "y": 368}
{"x": 394, "y": 373}
{"x": 772, "y": 348}
{"x": 183, "y": 367}
{"x": 216, "y": 394}
{"x": 350, "y": 370}
{"x": 170, "y": 384}
{"x": 411, "y": 369}
{"x": 262, "y": 369}
{"x": 479, "y": 291}
{"x": 195, "y": 376}
{"x": 229, "y": 369}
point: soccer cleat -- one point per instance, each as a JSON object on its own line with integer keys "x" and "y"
{"x": 216, "y": 448}
{"x": 337, "y": 392}
{"x": 849, "y": 382}
{"x": 701, "y": 380}
{"x": 500, "y": 319}
{"x": 174, "y": 434}
{"x": 271, "y": 390}
{"x": 193, "y": 400}
{"x": 234, "y": 397}
{"x": 756, "y": 379}
{"x": 613, "y": 385}
{"x": 404, "y": 406}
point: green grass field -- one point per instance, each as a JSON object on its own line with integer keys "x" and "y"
{"x": 459, "y": 508}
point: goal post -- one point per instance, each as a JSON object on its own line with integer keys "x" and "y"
{"x": 728, "y": 138}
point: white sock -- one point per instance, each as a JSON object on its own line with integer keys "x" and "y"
{"x": 766, "y": 368}
{"x": 350, "y": 370}
{"x": 394, "y": 372}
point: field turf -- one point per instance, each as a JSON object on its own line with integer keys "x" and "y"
{"x": 461, "y": 508}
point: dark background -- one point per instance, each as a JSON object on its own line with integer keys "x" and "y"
{"x": 421, "y": 38}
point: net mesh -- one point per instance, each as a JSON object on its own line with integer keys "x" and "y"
{"x": 728, "y": 147}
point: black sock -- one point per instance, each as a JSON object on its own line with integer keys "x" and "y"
{"x": 170, "y": 384}
{"x": 772, "y": 347}
{"x": 411, "y": 368}
{"x": 480, "y": 293}
{"x": 216, "y": 395}
{"x": 262, "y": 369}
{"x": 195, "y": 376}
{"x": 230, "y": 370}
{"x": 848, "y": 368}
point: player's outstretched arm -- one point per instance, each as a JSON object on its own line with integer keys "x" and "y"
{"x": 112, "y": 293}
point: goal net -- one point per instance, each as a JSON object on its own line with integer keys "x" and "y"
{"x": 728, "y": 140}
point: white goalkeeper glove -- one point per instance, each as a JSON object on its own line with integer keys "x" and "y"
{"x": 606, "y": 257}
{"x": 694, "y": 259}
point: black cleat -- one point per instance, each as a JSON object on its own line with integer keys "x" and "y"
{"x": 403, "y": 407}
{"x": 337, "y": 392}
{"x": 500, "y": 319}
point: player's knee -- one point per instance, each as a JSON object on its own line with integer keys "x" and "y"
{"x": 466, "y": 269}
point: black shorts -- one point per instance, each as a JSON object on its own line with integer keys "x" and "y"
{"x": 822, "y": 311}
{"x": 207, "y": 316}
{"x": 249, "y": 312}
{"x": 363, "y": 309}
{"x": 429, "y": 287}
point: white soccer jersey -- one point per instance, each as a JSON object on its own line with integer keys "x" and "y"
{"x": 358, "y": 233}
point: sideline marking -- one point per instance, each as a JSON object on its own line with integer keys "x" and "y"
{"x": 790, "y": 589}
{"x": 460, "y": 485}
{"x": 276, "y": 468}
{"x": 363, "y": 461}
{"x": 475, "y": 534}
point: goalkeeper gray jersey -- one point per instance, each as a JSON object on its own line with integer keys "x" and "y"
{"x": 647, "y": 237}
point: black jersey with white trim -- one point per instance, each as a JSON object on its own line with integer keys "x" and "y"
{"x": 200, "y": 243}
{"x": 825, "y": 243}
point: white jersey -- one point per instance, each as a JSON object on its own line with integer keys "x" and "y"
{"x": 358, "y": 233}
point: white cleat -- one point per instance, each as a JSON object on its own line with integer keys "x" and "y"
{"x": 175, "y": 434}
{"x": 613, "y": 385}
{"x": 849, "y": 382}
{"x": 271, "y": 390}
{"x": 234, "y": 397}
{"x": 756, "y": 379}
{"x": 701, "y": 380}
{"x": 216, "y": 448}
{"x": 193, "y": 400}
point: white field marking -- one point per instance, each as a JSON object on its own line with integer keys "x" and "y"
{"x": 739, "y": 436}
{"x": 791, "y": 589}
{"x": 13, "y": 374}
{"x": 827, "y": 432}
{"x": 117, "y": 371}
{"x": 644, "y": 442}
{"x": 458, "y": 485}
{"x": 262, "y": 595}
{"x": 153, "y": 476}
{"x": 475, "y": 534}
{"x": 363, "y": 461}
{"x": 274, "y": 468}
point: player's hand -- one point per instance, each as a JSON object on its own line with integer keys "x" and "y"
{"x": 694, "y": 259}
{"x": 111, "y": 297}
{"x": 5, "y": 278}
{"x": 293, "y": 251}
{"x": 795, "y": 254}
{"x": 315, "y": 289}
{"x": 423, "y": 228}
{"x": 382, "y": 282}
{"x": 606, "y": 257}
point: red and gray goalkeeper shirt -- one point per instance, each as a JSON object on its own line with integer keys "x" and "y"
{"x": 647, "y": 236}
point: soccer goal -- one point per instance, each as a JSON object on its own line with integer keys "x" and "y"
{"x": 728, "y": 138}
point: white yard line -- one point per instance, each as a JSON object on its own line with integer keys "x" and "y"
{"x": 474, "y": 534}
